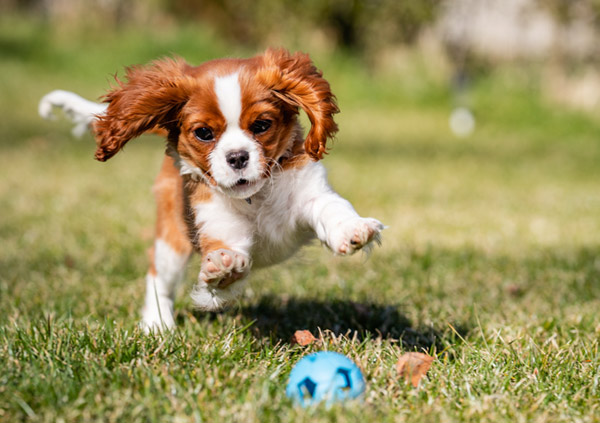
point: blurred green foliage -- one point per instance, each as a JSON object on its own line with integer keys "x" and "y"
{"x": 363, "y": 26}
{"x": 360, "y": 25}
{"x": 567, "y": 10}
{"x": 354, "y": 24}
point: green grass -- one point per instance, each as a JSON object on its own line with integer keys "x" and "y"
{"x": 491, "y": 261}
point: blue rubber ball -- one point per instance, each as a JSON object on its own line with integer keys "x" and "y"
{"x": 325, "y": 376}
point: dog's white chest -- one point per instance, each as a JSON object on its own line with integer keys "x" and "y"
{"x": 278, "y": 226}
{"x": 277, "y": 237}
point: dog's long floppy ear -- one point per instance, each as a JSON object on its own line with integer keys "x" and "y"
{"x": 295, "y": 79}
{"x": 152, "y": 96}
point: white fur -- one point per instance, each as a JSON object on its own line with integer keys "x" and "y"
{"x": 332, "y": 217}
{"x": 160, "y": 288}
{"x": 80, "y": 111}
{"x": 219, "y": 220}
{"x": 207, "y": 297}
{"x": 229, "y": 97}
{"x": 234, "y": 139}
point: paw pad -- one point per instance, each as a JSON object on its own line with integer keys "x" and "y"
{"x": 223, "y": 267}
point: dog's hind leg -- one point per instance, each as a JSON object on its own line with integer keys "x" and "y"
{"x": 171, "y": 251}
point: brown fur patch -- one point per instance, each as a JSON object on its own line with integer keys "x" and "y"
{"x": 200, "y": 194}
{"x": 295, "y": 80}
{"x": 170, "y": 225}
{"x": 195, "y": 193}
{"x": 210, "y": 244}
{"x": 151, "y": 97}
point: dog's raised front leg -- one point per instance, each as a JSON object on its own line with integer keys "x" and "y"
{"x": 225, "y": 239}
{"x": 333, "y": 218}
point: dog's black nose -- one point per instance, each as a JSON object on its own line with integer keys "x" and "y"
{"x": 238, "y": 159}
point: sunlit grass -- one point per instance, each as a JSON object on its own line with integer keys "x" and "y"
{"x": 489, "y": 262}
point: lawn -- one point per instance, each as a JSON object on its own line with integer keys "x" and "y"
{"x": 490, "y": 261}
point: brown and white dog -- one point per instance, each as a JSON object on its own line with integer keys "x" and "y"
{"x": 239, "y": 183}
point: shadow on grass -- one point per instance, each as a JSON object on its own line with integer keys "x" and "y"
{"x": 277, "y": 319}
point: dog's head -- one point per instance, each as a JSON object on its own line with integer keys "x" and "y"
{"x": 230, "y": 121}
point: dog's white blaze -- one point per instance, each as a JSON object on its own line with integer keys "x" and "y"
{"x": 229, "y": 96}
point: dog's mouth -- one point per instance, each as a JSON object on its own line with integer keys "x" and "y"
{"x": 243, "y": 185}
{"x": 243, "y": 188}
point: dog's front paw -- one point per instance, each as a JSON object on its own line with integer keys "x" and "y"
{"x": 221, "y": 268}
{"x": 354, "y": 234}
{"x": 216, "y": 289}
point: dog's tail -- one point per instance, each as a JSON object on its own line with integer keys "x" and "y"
{"x": 78, "y": 110}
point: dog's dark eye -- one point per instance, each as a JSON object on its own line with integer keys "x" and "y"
{"x": 204, "y": 134}
{"x": 260, "y": 125}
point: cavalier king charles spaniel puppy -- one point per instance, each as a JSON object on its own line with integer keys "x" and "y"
{"x": 240, "y": 183}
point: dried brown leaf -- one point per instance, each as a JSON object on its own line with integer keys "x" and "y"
{"x": 303, "y": 338}
{"x": 413, "y": 366}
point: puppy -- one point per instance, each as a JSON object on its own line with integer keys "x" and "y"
{"x": 239, "y": 184}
